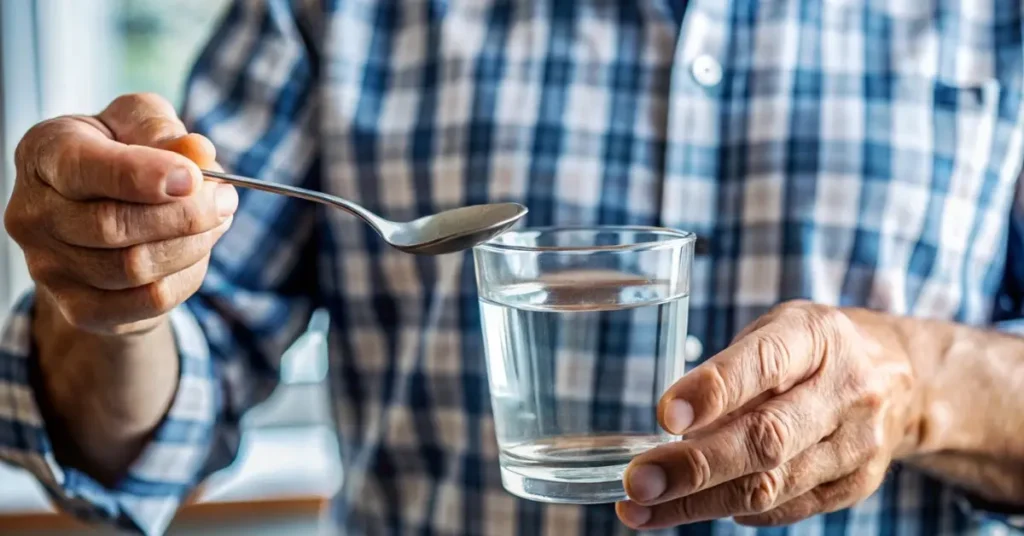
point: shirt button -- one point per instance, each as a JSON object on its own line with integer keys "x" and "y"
{"x": 692, "y": 349}
{"x": 706, "y": 71}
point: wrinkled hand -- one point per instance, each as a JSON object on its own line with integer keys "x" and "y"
{"x": 801, "y": 415}
{"x": 113, "y": 213}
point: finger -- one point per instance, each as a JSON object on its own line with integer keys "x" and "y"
{"x": 134, "y": 266}
{"x": 770, "y": 359}
{"x": 110, "y": 311}
{"x": 758, "y": 441}
{"x": 74, "y": 157}
{"x": 115, "y": 225}
{"x": 196, "y": 148}
{"x": 829, "y": 497}
{"x": 142, "y": 119}
{"x": 757, "y": 324}
{"x": 835, "y": 457}
{"x": 728, "y": 418}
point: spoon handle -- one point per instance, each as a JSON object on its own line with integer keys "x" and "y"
{"x": 301, "y": 193}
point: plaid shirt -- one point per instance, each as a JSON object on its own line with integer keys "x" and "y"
{"x": 854, "y": 152}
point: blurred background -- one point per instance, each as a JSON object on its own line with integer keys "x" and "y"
{"x": 74, "y": 56}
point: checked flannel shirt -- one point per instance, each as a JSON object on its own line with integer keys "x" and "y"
{"x": 854, "y": 152}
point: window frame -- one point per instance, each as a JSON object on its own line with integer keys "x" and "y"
{"x": 47, "y": 46}
{"x": 19, "y": 110}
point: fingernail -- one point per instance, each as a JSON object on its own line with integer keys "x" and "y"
{"x": 226, "y": 199}
{"x": 634, "y": 514}
{"x": 678, "y": 416}
{"x": 646, "y": 482}
{"x": 178, "y": 183}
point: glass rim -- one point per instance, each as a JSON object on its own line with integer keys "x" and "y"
{"x": 675, "y": 238}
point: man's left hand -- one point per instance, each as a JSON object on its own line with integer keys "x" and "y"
{"x": 801, "y": 415}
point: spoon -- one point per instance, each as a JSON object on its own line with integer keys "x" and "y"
{"x": 445, "y": 232}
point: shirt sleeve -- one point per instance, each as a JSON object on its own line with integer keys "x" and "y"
{"x": 252, "y": 94}
{"x": 146, "y": 499}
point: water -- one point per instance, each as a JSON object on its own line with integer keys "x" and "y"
{"x": 576, "y": 367}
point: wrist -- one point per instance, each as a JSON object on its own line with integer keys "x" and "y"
{"x": 102, "y": 395}
{"x": 892, "y": 338}
{"x": 967, "y": 381}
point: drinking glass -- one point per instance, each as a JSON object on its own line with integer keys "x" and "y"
{"x": 584, "y": 329}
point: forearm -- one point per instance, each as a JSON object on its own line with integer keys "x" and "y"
{"x": 968, "y": 429}
{"x": 102, "y": 395}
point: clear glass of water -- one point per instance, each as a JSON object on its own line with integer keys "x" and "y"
{"x": 584, "y": 329}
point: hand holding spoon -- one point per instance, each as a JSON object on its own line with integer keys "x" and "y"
{"x": 445, "y": 232}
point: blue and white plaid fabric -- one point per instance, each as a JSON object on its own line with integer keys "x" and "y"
{"x": 854, "y": 152}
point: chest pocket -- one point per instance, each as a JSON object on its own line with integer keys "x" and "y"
{"x": 939, "y": 83}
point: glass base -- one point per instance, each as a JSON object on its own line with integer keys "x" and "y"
{"x": 565, "y": 491}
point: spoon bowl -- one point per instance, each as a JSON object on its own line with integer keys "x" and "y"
{"x": 456, "y": 229}
{"x": 445, "y": 232}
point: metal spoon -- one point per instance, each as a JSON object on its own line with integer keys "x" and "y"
{"x": 445, "y": 232}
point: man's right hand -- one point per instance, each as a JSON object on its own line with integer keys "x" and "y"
{"x": 117, "y": 225}
{"x": 113, "y": 213}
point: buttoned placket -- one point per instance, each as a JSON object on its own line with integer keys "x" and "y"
{"x": 690, "y": 189}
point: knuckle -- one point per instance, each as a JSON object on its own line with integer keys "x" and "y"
{"x": 148, "y": 113}
{"x": 811, "y": 315}
{"x": 864, "y": 392}
{"x": 866, "y": 445}
{"x": 715, "y": 393}
{"x": 162, "y": 297}
{"x": 836, "y": 328}
{"x": 767, "y": 438}
{"x": 14, "y": 222}
{"x": 26, "y": 214}
{"x": 76, "y": 312}
{"x": 696, "y": 470}
{"x": 762, "y": 492}
{"x": 872, "y": 399}
{"x": 55, "y": 156}
{"x": 128, "y": 101}
{"x": 112, "y": 226}
{"x": 23, "y": 151}
{"x": 136, "y": 265}
{"x": 856, "y": 486}
{"x": 135, "y": 102}
{"x": 844, "y": 491}
{"x": 39, "y": 138}
{"x": 831, "y": 316}
{"x": 189, "y": 219}
{"x": 798, "y": 310}
{"x": 41, "y": 269}
{"x": 873, "y": 443}
{"x": 681, "y": 509}
{"x": 771, "y": 357}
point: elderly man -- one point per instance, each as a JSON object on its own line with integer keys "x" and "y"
{"x": 861, "y": 155}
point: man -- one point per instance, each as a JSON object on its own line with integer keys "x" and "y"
{"x": 852, "y": 153}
